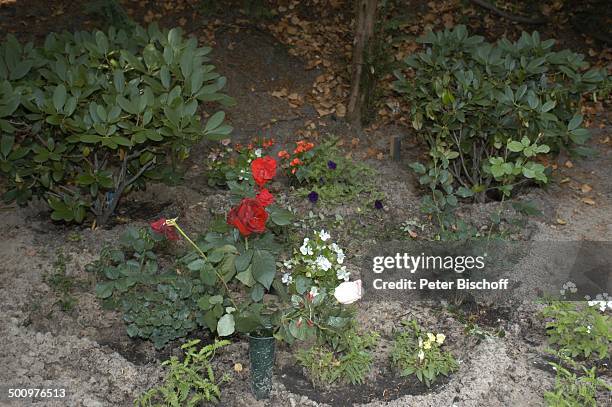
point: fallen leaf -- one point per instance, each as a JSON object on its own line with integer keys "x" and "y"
{"x": 569, "y": 164}
{"x": 588, "y": 201}
{"x": 238, "y": 367}
{"x": 561, "y": 221}
{"x": 565, "y": 180}
{"x": 585, "y": 188}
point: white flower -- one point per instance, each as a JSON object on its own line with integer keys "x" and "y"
{"x": 258, "y": 152}
{"x": 421, "y": 355}
{"x": 324, "y": 235}
{"x": 314, "y": 291}
{"x": 420, "y": 342}
{"x": 287, "y": 279}
{"x": 323, "y": 263}
{"x": 343, "y": 274}
{"x": 340, "y": 257}
{"x": 288, "y": 264}
{"x": 440, "y": 338}
{"x": 306, "y": 250}
{"x": 348, "y": 292}
{"x": 335, "y": 247}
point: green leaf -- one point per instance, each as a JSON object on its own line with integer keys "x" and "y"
{"x": 418, "y": 168}
{"x": 280, "y": 216}
{"x": 574, "y": 123}
{"x": 6, "y": 144}
{"x": 263, "y": 267}
{"x": 226, "y": 325}
{"x": 246, "y": 277}
{"x": 59, "y": 97}
{"x": 244, "y": 260}
{"x": 463, "y": 192}
{"x": 105, "y": 289}
{"x": 515, "y": 146}
{"x": 257, "y": 293}
{"x": 214, "y": 121}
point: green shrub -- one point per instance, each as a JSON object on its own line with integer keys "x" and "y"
{"x": 188, "y": 383}
{"x": 88, "y": 116}
{"x": 578, "y": 329}
{"x": 488, "y": 112}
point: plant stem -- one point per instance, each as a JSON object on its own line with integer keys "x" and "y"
{"x": 172, "y": 222}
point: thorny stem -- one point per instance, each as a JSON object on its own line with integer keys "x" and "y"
{"x": 172, "y": 222}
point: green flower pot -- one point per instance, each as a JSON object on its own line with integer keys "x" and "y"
{"x": 261, "y": 355}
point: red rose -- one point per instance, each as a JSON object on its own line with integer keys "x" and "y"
{"x": 160, "y": 227}
{"x": 263, "y": 169}
{"x": 248, "y": 217}
{"x": 264, "y": 197}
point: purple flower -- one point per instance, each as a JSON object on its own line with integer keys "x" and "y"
{"x": 331, "y": 165}
{"x": 313, "y": 197}
{"x": 378, "y": 204}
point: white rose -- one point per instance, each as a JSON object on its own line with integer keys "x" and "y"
{"x": 348, "y": 292}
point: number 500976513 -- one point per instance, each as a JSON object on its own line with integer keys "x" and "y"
{"x": 36, "y": 393}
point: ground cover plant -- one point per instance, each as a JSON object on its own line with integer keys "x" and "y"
{"x": 89, "y": 116}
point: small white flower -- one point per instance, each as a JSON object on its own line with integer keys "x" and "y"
{"x": 324, "y": 235}
{"x": 335, "y": 247}
{"x": 287, "y": 279}
{"x": 589, "y": 329}
{"x": 258, "y": 152}
{"x": 306, "y": 250}
{"x": 340, "y": 258}
{"x": 314, "y": 291}
{"x": 288, "y": 264}
{"x": 343, "y": 274}
{"x": 323, "y": 263}
{"x": 421, "y": 355}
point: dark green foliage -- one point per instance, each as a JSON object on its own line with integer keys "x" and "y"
{"x": 157, "y": 304}
{"x": 88, "y": 116}
{"x": 488, "y": 111}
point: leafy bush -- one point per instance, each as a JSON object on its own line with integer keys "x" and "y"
{"x": 489, "y": 111}
{"x": 578, "y": 329}
{"x": 88, "y": 116}
{"x": 188, "y": 383}
{"x": 350, "y": 361}
{"x": 415, "y": 352}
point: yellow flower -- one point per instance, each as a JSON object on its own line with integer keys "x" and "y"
{"x": 427, "y": 345}
{"x": 431, "y": 337}
{"x": 440, "y": 338}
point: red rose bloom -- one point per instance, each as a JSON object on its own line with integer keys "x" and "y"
{"x": 264, "y": 197}
{"x": 160, "y": 227}
{"x": 248, "y": 217}
{"x": 263, "y": 169}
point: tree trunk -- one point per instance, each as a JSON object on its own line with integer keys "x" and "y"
{"x": 364, "y": 31}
